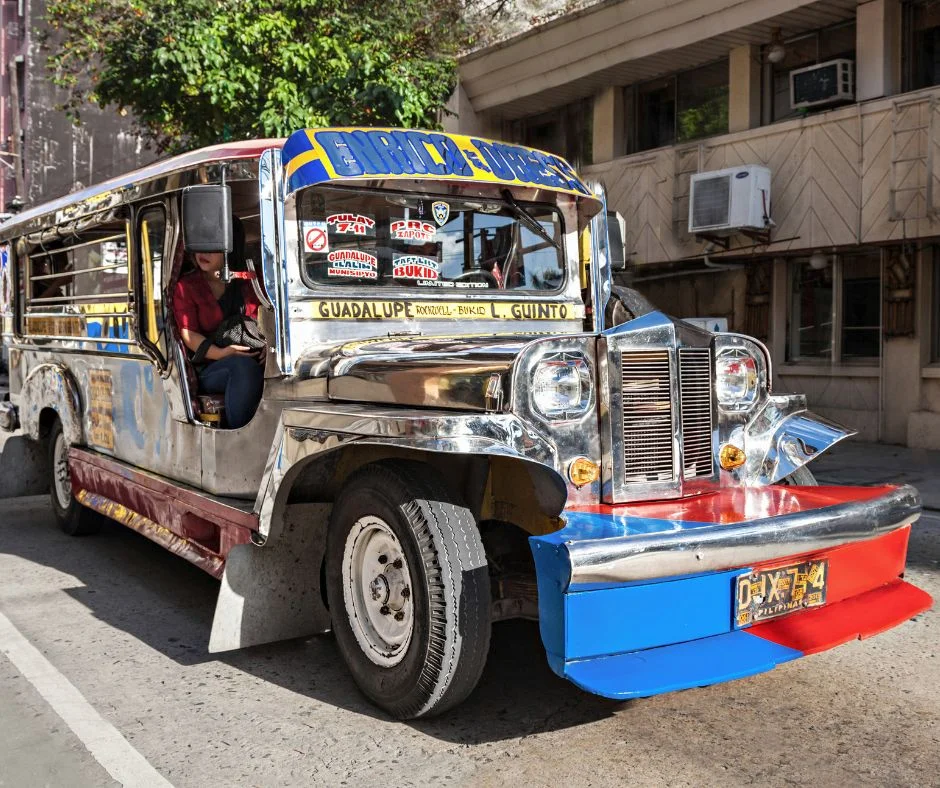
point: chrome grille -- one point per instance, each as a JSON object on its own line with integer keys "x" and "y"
{"x": 695, "y": 411}
{"x": 647, "y": 416}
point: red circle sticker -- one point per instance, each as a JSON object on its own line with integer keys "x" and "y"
{"x": 316, "y": 240}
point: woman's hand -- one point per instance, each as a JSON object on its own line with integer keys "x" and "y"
{"x": 236, "y": 350}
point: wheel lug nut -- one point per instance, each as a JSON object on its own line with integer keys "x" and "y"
{"x": 405, "y": 592}
{"x": 383, "y": 559}
{"x": 397, "y": 563}
{"x": 384, "y": 610}
{"x": 399, "y": 616}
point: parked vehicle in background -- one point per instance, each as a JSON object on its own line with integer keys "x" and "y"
{"x": 462, "y": 422}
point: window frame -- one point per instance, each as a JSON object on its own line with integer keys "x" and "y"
{"x": 838, "y": 319}
{"x": 631, "y": 100}
{"x": 157, "y": 353}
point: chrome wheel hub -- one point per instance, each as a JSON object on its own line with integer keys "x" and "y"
{"x": 62, "y": 482}
{"x": 377, "y": 591}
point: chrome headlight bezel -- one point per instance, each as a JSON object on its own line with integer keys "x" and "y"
{"x": 741, "y": 364}
{"x": 566, "y": 376}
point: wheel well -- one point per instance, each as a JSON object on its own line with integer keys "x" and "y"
{"x": 495, "y": 488}
{"x": 47, "y": 419}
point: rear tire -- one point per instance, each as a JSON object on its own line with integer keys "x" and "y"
{"x": 72, "y": 517}
{"x": 408, "y": 588}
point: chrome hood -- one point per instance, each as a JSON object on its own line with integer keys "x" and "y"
{"x": 468, "y": 373}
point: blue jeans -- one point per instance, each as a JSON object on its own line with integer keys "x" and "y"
{"x": 241, "y": 380}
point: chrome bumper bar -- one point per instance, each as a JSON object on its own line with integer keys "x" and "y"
{"x": 718, "y": 547}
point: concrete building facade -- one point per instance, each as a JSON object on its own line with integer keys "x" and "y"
{"x": 642, "y": 94}
{"x": 42, "y": 153}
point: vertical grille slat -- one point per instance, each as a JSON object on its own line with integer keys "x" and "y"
{"x": 647, "y": 417}
{"x": 695, "y": 411}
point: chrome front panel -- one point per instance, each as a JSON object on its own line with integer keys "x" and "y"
{"x": 658, "y": 428}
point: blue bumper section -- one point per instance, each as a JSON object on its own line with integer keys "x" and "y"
{"x": 633, "y": 640}
{"x": 698, "y": 663}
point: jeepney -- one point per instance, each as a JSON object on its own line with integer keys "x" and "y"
{"x": 462, "y": 422}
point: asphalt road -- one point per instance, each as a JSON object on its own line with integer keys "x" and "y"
{"x": 127, "y": 624}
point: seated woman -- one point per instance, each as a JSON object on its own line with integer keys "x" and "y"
{"x": 235, "y": 371}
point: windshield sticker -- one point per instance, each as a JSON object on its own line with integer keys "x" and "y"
{"x": 316, "y": 237}
{"x": 441, "y": 212}
{"x": 351, "y": 224}
{"x": 443, "y": 283}
{"x": 413, "y": 266}
{"x": 353, "y": 263}
{"x": 441, "y": 310}
{"x": 413, "y": 230}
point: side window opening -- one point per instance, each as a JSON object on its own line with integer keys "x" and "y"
{"x": 151, "y": 236}
{"x": 79, "y": 284}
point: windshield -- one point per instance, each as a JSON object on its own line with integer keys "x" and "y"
{"x": 401, "y": 240}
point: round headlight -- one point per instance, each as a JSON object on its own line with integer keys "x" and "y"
{"x": 736, "y": 379}
{"x": 561, "y": 387}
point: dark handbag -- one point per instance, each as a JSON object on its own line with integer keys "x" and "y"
{"x": 236, "y": 327}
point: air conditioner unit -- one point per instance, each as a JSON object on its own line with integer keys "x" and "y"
{"x": 736, "y": 199}
{"x": 824, "y": 83}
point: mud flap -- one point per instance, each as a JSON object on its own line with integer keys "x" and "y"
{"x": 273, "y": 592}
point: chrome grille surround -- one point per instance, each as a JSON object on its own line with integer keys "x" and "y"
{"x": 697, "y": 413}
{"x": 659, "y": 426}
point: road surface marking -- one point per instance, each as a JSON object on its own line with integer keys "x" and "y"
{"x": 99, "y": 736}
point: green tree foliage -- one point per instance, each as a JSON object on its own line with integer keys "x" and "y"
{"x": 194, "y": 72}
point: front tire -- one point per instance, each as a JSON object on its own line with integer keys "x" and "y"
{"x": 409, "y": 589}
{"x": 72, "y": 517}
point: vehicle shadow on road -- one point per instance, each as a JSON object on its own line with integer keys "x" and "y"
{"x": 137, "y": 587}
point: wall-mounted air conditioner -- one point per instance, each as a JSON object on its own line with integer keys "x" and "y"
{"x": 824, "y": 83}
{"x": 736, "y": 199}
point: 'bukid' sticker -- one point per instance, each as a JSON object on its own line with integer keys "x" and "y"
{"x": 413, "y": 230}
{"x": 352, "y": 263}
{"x": 351, "y": 224}
{"x": 316, "y": 238}
{"x": 413, "y": 266}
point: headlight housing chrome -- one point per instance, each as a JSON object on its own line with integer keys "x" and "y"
{"x": 561, "y": 388}
{"x": 741, "y": 373}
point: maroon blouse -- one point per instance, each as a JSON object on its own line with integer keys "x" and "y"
{"x": 197, "y": 309}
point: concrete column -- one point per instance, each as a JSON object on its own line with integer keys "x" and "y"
{"x": 608, "y": 125}
{"x": 461, "y": 117}
{"x": 878, "y": 49}
{"x": 744, "y": 80}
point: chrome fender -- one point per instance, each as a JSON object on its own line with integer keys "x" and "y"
{"x": 51, "y": 386}
{"x": 307, "y": 433}
{"x": 785, "y": 436}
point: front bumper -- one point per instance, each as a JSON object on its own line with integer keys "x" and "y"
{"x": 638, "y": 600}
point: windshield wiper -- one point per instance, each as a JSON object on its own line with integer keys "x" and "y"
{"x": 527, "y": 220}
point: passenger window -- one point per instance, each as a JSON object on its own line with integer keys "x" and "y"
{"x": 152, "y": 239}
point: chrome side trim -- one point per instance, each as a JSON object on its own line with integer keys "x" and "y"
{"x": 717, "y": 547}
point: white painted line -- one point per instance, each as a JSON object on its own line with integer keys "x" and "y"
{"x": 102, "y": 739}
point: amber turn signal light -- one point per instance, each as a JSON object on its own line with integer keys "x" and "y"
{"x": 582, "y": 471}
{"x": 731, "y": 457}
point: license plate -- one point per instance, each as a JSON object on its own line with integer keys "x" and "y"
{"x": 769, "y": 593}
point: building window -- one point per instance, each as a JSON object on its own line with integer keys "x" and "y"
{"x": 819, "y": 46}
{"x": 567, "y": 132}
{"x": 678, "y": 108}
{"x": 834, "y": 309}
{"x": 921, "y": 45}
{"x": 809, "y": 333}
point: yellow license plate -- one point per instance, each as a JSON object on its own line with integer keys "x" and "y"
{"x": 769, "y": 593}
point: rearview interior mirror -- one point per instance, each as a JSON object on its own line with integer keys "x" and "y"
{"x": 207, "y": 218}
{"x": 616, "y": 229}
